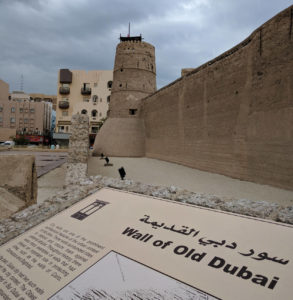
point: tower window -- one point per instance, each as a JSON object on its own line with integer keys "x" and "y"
{"x": 132, "y": 111}
{"x": 95, "y": 98}
{"x": 94, "y": 113}
{"x": 108, "y": 99}
{"x": 109, "y": 84}
{"x": 84, "y": 111}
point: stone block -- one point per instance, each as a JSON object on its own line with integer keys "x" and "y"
{"x": 19, "y": 177}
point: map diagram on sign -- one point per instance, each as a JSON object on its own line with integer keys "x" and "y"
{"x": 118, "y": 277}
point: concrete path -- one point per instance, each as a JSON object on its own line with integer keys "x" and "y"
{"x": 157, "y": 172}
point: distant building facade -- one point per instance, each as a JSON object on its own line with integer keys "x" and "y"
{"x": 21, "y": 115}
{"x": 84, "y": 92}
{"x": 46, "y": 98}
{"x": 19, "y": 96}
{"x": 4, "y": 90}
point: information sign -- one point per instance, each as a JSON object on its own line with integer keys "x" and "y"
{"x": 120, "y": 245}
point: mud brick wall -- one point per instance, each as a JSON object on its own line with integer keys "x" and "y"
{"x": 234, "y": 114}
{"x": 19, "y": 176}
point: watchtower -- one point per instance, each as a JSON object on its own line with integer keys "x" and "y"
{"x": 134, "y": 78}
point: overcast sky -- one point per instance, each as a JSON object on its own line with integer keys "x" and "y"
{"x": 39, "y": 37}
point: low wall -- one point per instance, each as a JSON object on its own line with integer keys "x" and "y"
{"x": 19, "y": 177}
{"x": 35, "y": 214}
{"x": 234, "y": 114}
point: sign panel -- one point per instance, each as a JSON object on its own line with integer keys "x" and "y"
{"x": 119, "y": 245}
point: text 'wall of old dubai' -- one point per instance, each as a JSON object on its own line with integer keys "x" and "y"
{"x": 119, "y": 245}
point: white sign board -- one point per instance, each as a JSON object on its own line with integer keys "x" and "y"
{"x": 119, "y": 245}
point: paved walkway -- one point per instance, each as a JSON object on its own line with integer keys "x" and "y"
{"x": 157, "y": 172}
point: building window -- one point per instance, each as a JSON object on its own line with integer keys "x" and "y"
{"x": 95, "y": 98}
{"x": 108, "y": 99}
{"x": 25, "y": 120}
{"x": 95, "y": 129}
{"x": 66, "y": 129}
{"x": 109, "y": 84}
{"x": 60, "y": 128}
{"x": 1, "y": 108}
{"x": 95, "y": 84}
{"x": 94, "y": 113}
{"x": 12, "y": 109}
{"x": 84, "y": 111}
{"x": 32, "y": 110}
{"x": 21, "y": 109}
{"x": 64, "y": 113}
{"x": 132, "y": 111}
{"x": 86, "y": 99}
{"x": 12, "y": 120}
{"x": 100, "y": 114}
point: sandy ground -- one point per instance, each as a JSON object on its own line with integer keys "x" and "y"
{"x": 50, "y": 183}
{"x": 157, "y": 172}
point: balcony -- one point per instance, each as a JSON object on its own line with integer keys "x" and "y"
{"x": 64, "y": 90}
{"x": 86, "y": 90}
{"x": 65, "y": 76}
{"x": 63, "y": 104}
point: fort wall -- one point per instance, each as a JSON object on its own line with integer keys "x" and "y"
{"x": 234, "y": 114}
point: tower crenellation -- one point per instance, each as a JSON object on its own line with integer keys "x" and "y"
{"x": 134, "y": 76}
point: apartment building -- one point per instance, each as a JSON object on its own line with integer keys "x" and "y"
{"x": 32, "y": 119}
{"x": 84, "y": 92}
{"x": 45, "y": 98}
{"x": 23, "y": 116}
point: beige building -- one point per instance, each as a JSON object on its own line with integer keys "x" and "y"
{"x": 4, "y": 91}
{"x": 27, "y": 117}
{"x": 84, "y": 92}
{"x": 21, "y": 115}
{"x": 19, "y": 96}
{"x": 46, "y": 98}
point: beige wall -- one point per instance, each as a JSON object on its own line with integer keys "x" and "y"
{"x": 6, "y": 134}
{"x": 97, "y": 81}
{"x": 4, "y": 91}
{"x": 20, "y": 177}
{"x": 233, "y": 115}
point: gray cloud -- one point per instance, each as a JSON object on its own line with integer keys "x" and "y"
{"x": 38, "y": 37}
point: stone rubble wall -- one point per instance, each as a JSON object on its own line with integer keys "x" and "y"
{"x": 35, "y": 214}
{"x": 78, "y": 149}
